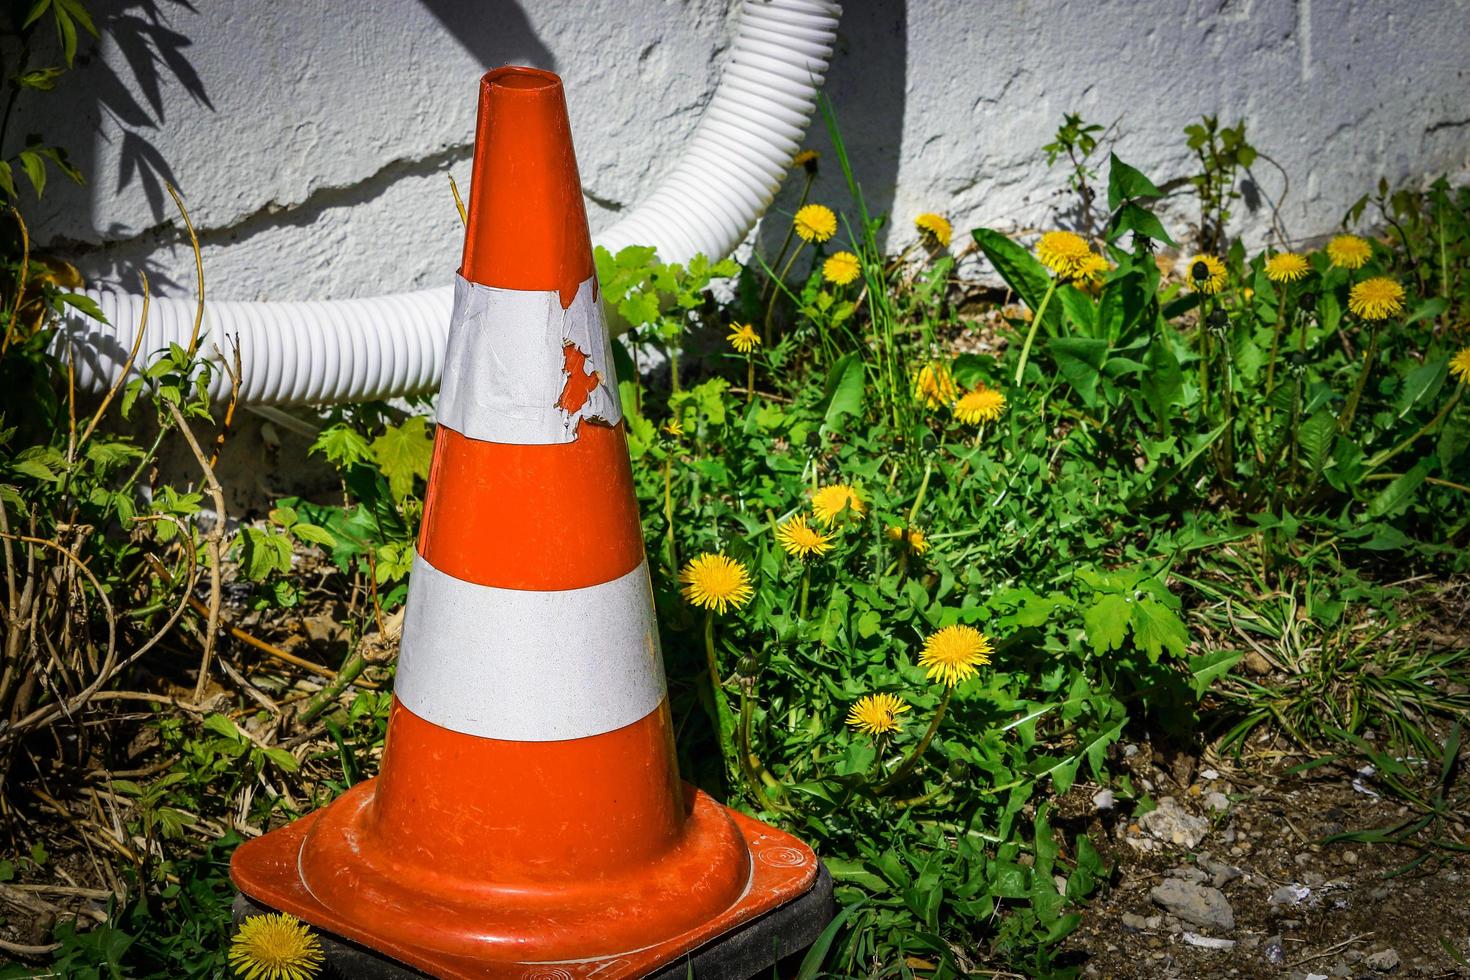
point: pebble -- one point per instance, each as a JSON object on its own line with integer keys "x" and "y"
{"x": 1172, "y": 824}
{"x": 1141, "y": 923}
{"x": 1103, "y": 800}
{"x": 1274, "y": 951}
{"x": 1288, "y": 895}
{"x": 1199, "y": 905}
{"x": 1208, "y": 942}
{"x": 1383, "y": 961}
{"x": 1217, "y": 801}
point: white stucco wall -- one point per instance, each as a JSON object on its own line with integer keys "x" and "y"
{"x": 312, "y": 139}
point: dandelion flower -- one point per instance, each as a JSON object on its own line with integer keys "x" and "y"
{"x": 876, "y": 714}
{"x": 953, "y": 654}
{"x": 275, "y": 947}
{"x": 1349, "y": 252}
{"x": 934, "y": 385}
{"x": 829, "y": 502}
{"x": 674, "y": 428}
{"x": 934, "y": 227}
{"x": 815, "y": 223}
{"x": 807, "y": 160}
{"x": 744, "y": 338}
{"x": 1286, "y": 267}
{"x": 1206, "y": 274}
{"x": 1064, "y": 253}
{"x": 800, "y": 540}
{"x": 716, "y": 582}
{"x": 1376, "y": 299}
{"x": 841, "y": 268}
{"x": 981, "y": 405}
{"x": 1093, "y": 268}
{"x": 1460, "y": 365}
{"x": 912, "y": 538}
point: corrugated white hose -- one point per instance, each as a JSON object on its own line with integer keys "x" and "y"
{"x": 334, "y": 351}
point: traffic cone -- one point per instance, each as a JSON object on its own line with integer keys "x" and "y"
{"x": 528, "y": 819}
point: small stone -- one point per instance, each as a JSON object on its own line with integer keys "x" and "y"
{"x": 1380, "y": 893}
{"x": 1208, "y": 942}
{"x": 1197, "y": 904}
{"x": 1289, "y": 895}
{"x": 1210, "y": 774}
{"x": 1172, "y": 824}
{"x": 1349, "y": 857}
{"x": 1314, "y": 880}
{"x": 1188, "y": 873}
{"x": 1135, "y": 922}
{"x": 1274, "y": 951}
{"x": 1103, "y": 800}
{"x": 1383, "y": 961}
{"x": 1217, "y": 802}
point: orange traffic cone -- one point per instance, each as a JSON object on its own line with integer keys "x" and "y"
{"x": 529, "y": 808}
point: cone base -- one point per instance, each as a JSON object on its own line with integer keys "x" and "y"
{"x": 267, "y": 870}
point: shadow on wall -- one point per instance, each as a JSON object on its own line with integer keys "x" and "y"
{"x": 866, "y": 86}
{"x": 124, "y": 99}
{"x": 495, "y": 32}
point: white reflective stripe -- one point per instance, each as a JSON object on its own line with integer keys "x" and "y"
{"x": 505, "y": 369}
{"x": 529, "y": 666}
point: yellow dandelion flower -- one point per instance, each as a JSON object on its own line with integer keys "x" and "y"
{"x": 954, "y": 654}
{"x": 1349, "y": 252}
{"x": 934, "y": 227}
{"x": 1376, "y": 299}
{"x": 1460, "y": 365}
{"x": 1286, "y": 267}
{"x": 716, "y": 582}
{"x": 807, "y": 160}
{"x": 981, "y": 405}
{"x": 934, "y": 385}
{"x": 674, "y": 428}
{"x": 1206, "y": 274}
{"x": 800, "y": 540}
{"x": 275, "y": 947}
{"x": 876, "y": 714}
{"x": 1064, "y": 253}
{"x": 830, "y": 502}
{"x": 911, "y": 538}
{"x": 744, "y": 338}
{"x": 841, "y": 268}
{"x": 1093, "y": 268}
{"x": 815, "y": 223}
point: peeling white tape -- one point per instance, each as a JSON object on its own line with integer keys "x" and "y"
{"x": 529, "y": 666}
{"x": 505, "y": 369}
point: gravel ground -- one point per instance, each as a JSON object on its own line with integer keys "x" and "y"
{"x": 1230, "y": 877}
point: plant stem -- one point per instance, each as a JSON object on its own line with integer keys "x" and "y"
{"x": 1380, "y": 458}
{"x": 755, "y": 772}
{"x": 907, "y": 766}
{"x": 669, "y": 514}
{"x": 1281, "y": 327}
{"x": 1346, "y": 418}
{"x": 709, "y": 652}
{"x": 749, "y": 376}
{"x": 1031, "y": 334}
{"x": 775, "y": 293}
{"x": 806, "y": 582}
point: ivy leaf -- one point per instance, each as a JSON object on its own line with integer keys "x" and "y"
{"x": 1106, "y": 622}
{"x": 403, "y": 452}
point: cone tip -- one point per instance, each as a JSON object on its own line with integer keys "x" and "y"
{"x": 527, "y": 224}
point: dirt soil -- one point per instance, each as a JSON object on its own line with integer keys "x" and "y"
{"x": 1241, "y": 852}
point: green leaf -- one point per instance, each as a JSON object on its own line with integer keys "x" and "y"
{"x": 222, "y": 725}
{"x": 7, "y": 178}
{"x": 1205, "y": 668}
{"x": 1080, "y": 360}
{"x": 1397, "y": 496}
{"x": 1106, "y": 622}
{"x": 1124, "y": 183}
{"x": 1156, "y": 628}
{"x": 35, "y": 167}
{"x": 403, "y": 452}
{"x": 1140, "y": 221}
{"x": 1316, "y": 436}
{"x": 84, "y": 304}
{"x": 342, "y": 445}
{"x": 313, "y": 534}
{"x": 262, "y": 553}
{"x": 843, "y": 394}
{"x": 1422, "y": 384}
{"x": 1019, "y": 269}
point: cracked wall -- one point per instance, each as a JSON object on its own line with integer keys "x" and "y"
{"x": 313, "y": 145}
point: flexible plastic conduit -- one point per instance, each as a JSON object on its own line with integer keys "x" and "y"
{"x": 385, "y": 346}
